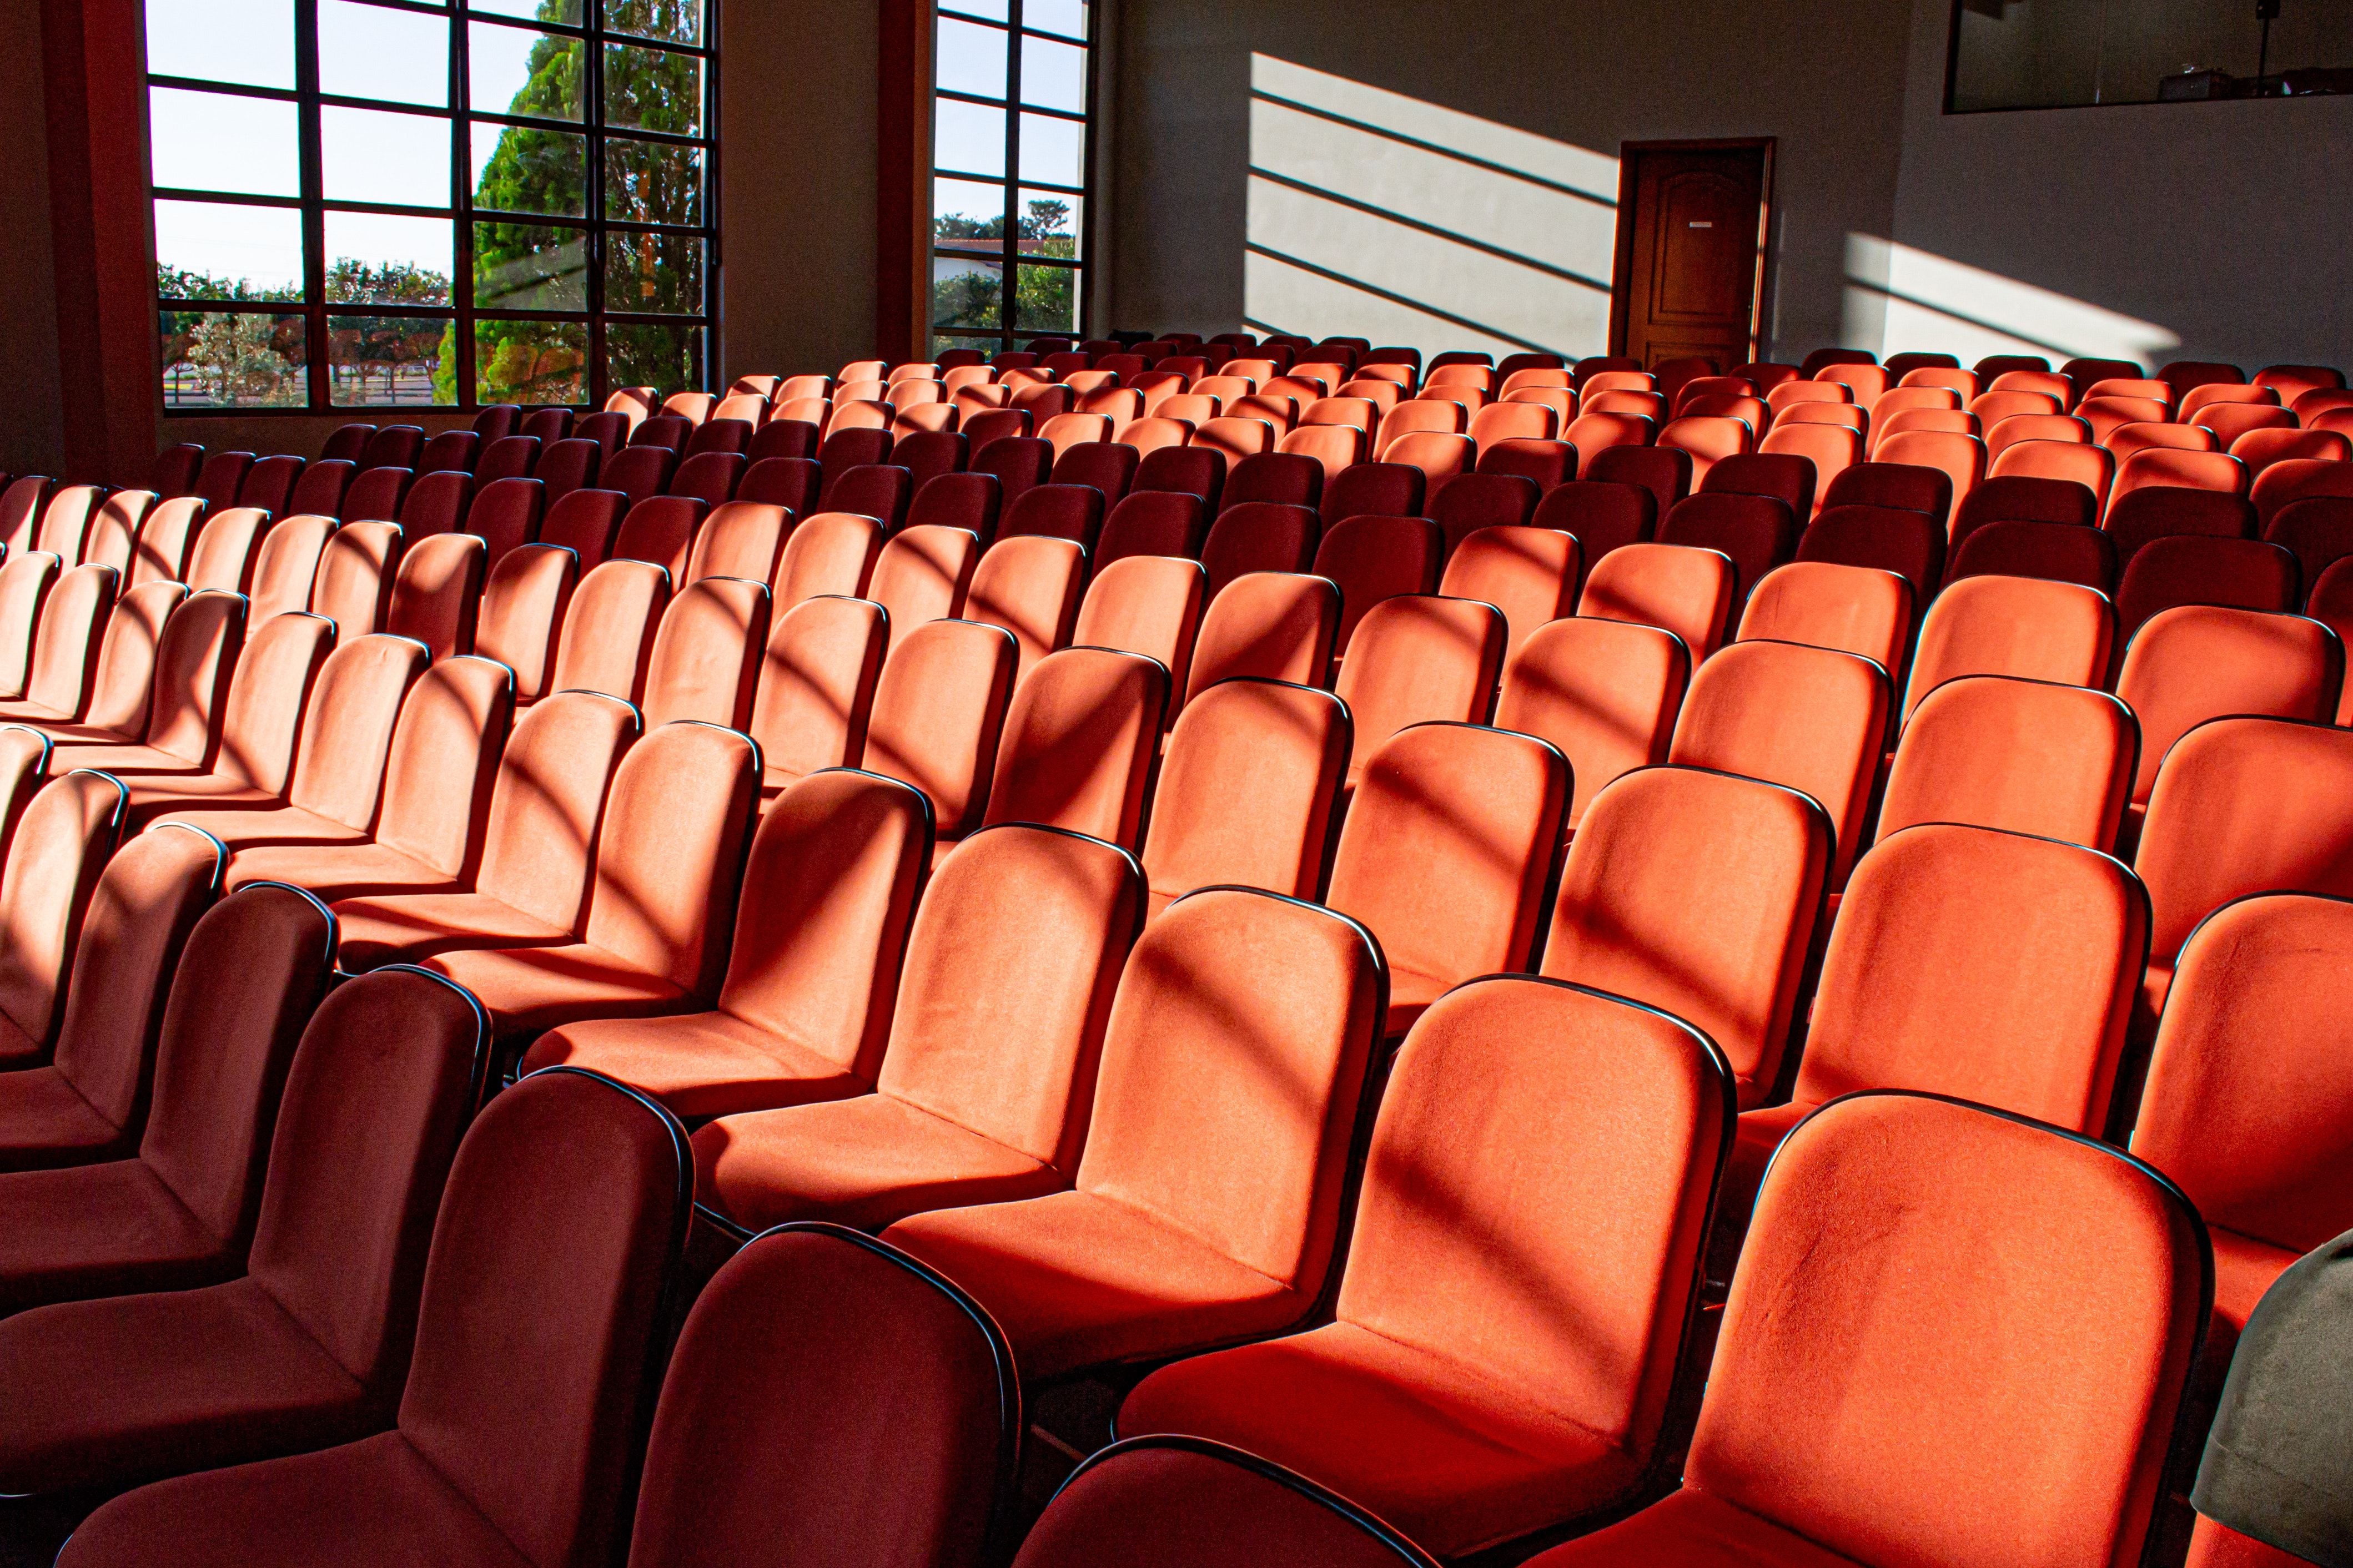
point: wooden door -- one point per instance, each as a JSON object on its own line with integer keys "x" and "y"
{"x": 1691, "y": 248}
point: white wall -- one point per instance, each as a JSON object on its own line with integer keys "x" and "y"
{"x": 2221, "y": 227}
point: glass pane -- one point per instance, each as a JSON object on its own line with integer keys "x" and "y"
{"x": 965, "y": 210}
{"x": 971, "y": 58}
{"x": 1068, "y": 17}
{"x": 680, "y": 21}
{"x": 531, "y": 362}
{"x": 1050, "y": 224}
{"x": 249, "y": 41}
{"x": 965, "y": 291}
{"x": 654, "y": 273}
{"x": 403, "y": 159}
{"x": 509, "y": 70}
{"x": 995, "y": 10}
{"x": 521, "y": 171}
{"x": 967, "y": 136}
{"x": 667, "y": 357}
{"x": 1054, "y": 76}
{"x": 367, "y": 51}
{"x": 1046, "y": 300}
{"x": 567, "y": 12}
{"x": 942, "y": 342}
{"x": 391, "y": 359}
{"x": 653, "y": 89}
{"x": 375, "y": 259}
{"x": 529, "y": 266}
{"x": 213, "y": 141}
{"x": 1053, "y": 150}
{"x": 211, "y": 250}
{"x": 652, "y": 182}
{"x": 223, "y": 360}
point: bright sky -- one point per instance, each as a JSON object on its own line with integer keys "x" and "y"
{"x": 971, "y": 137}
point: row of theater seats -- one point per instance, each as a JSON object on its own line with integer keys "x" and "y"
{"x": 1157, "y": 1141}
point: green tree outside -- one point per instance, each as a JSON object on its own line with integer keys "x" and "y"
{"x": 1045, "y": 299}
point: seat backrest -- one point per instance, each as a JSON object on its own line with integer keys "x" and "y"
{"x": 1274, "y": 625}
{"x": 443, "y": 763}
{"x": 548, "y": 801}
{"x": 113, "y": 528}
{"x": 2017, "y": 498}
{"x": 2249, "y": 1104}
{"x": 2287, "y": 480}
{"x": 670, "y": 858}
{"x": 1018, "y": 462}
{"x": 831, "y": 553}
{"x": 222, "y": 475}
{"x": 161, "y": 552}
{"x": 660, "y": 530}
{"x": 1603, "y": 515}
{"x": 965, "y": 501}
{"x": 1029, "y": 584}
{"x": 1259, "y": 536}
{"x": 1757, "y": 533}
{"x": 223, "y": 557}
{"x": 1697, "y": 893}
{"x": 1284, "y": 479}
{"x": 2139, "y": 516}
{"x": 269, "y": 698}
{"x": 1197, "y": 470}
{"x": 523, "y": 607}
{"x": 938, "y": 711}
{"x": 1187, "y": 1503}
{"x": 1952, "y": 970}
{"x": 73, "y": 622}
{"x": 1788, "y": 478}
{"x": 2172, "y": 468}
{"x": 1912, "y": 487}
{"x": 59, "y": 848}
{"x": 705, "y": 663}
{"x": 1195, "y": 1005}
{"x": 1855, "y": 609}
{"x": 2198, "y": 662}
{"x": 2058, "y": 551}
{"x": 829, "y": 892}
{"x": 27, "y": 578}
{"x": 1606, "y": 693}
{"x": 569, "y": 465}
{"x": 354, "y": 579}
{"x": 1013, "y": 1063}
{"x": 24, "y": 766}
{"x": 1079, "y": 741}
{"x": 1812, "y": 718}
{"x": 1374, "y": 559}
{"x": 508, "y": 457}
{"x": 2245, "y": 805}
{"x": 2025, "y": 756}
{"x": 1532, "y": 575}
{"x": 286, "y": 568}
{"x": 2240, "y": 573}
{"x": 1074, "y": 512}
{"x": 437, "y": 596}
{"x": 2041, "y": 630}
{"x": 1475, "y": 500}
{"x": 586, "y": 522}
{"x": 437, "y": 502}
{"x": 1149, "y": 604}
{"x": 740, "y": 539}
{"x": 1445, "y": 854}
{"x": 452, "y": 450}
{"x": 1333, "y": 448}
{"x": 1286, "y": 745}
{"x": 2095, "y": 468}
{"x": 393, "y": 1062}
{"x": 146, "y": 902}
{"x": 347, "y": 727}
{"x": 123, "y": 680}
{"x": 1373, "y": 490}
{"x": 579, "y": 1255}
{"x": 1108, "y": 467}
{"x": 1686, "y": 591}
{"x": 1664, "y": 471}
{"x": 944, "y": 1396}
{"x": 1419, "y": 658}
{"x": 609, "y": 628}
{"x": 879, "y": 490}
{"x": 506, "y": 514}
{"x": 1152, "y": 522}
{"x": 638, "y": 472}
{"x": 923, "y": 574}
{"x": 816, "y": 686}
{"x": 193, "y": 663}
{"x": 1993, "y": 1288}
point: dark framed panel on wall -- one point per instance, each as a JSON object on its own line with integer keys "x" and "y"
{"x": 1013, "y": 159}
{"x": 371, "y": 203}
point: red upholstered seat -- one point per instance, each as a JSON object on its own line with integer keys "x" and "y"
{"x": 1184, "y": 1229}
{"x": 59, "y": 849}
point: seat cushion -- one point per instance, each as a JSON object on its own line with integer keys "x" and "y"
{"x": 700, "y": 1066}
{"x": 146, "y": 762}
{"x": 17, "y": 1049}
{"x": 530, "y": 990}
{"x": 337, "y": 871}
{"x": 66, "y": 734}
{"x": 865, "y": 1161}
{"x": 113, "y": 1392}
{"x": 279, "y": 825}
{"x": 1756, "y": 1135}
{"x": 409, "y": 928}
{"x": 23, "y": 711}
{"x": 1454, "y": 1461}
{"x": 1077, "y": 1280}
{"x": 45, "y": 1122}
{"x": 1691, "y": 1529}
{"x": 371, "y": 1504}
{"x": 100, "y": 1230}
{"x": 157, "y": 796}
{"x": 1411, "y": 994}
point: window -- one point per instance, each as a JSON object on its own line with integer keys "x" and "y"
{"x": 1014, "y": 87}
{"x": 386, "y": 202}
{"x": 2057, "y": 54}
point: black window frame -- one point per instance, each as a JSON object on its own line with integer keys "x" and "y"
{"x": 593, "y": 226}
{"x": 1008, "y": 333}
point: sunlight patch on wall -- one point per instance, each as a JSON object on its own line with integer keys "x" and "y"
{"x": 1902, "y": 300}
{"x": 1376, "y": 215}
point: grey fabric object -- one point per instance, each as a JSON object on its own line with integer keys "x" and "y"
{"x": 2279, "y": 1461}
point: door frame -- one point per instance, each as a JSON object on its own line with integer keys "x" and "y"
{"x": 1621, "y": 276}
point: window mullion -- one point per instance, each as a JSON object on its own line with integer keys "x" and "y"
{"x": 1008, "y": 292}
{"x": 461, "y": 208}
{"x": 318, "y": 366}
{"x": 592, "y": 120}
